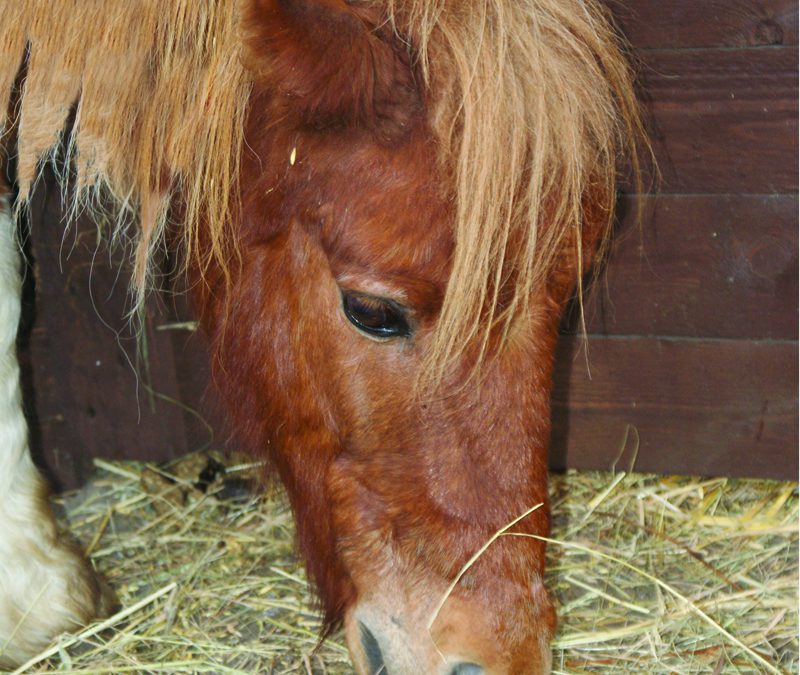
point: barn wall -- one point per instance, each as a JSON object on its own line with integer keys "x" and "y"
{"x": 692, "y": 344}
{"x": 693, "y": 326}
{"x": 89, "y": 391}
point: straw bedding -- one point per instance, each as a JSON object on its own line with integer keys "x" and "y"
{"x": 652, "y": 574}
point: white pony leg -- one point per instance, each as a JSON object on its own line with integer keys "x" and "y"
{"x": 46, "y": 586}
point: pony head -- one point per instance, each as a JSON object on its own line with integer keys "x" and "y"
{"x": 421, "y": 186}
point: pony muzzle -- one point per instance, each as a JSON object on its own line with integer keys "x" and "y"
{"x": 389, "y": 636}
{"x": 389, "y": 649}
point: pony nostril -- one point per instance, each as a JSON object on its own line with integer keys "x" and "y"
{"x": 373, "y": 651}
{"x": 466, "y": 669}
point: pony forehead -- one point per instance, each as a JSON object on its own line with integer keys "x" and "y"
{"x": 379, "y": 210}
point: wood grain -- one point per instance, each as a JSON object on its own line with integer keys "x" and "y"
{"x": 722, "y": 266}
{"x": 680, "y": 24}
{"x": 707, "y": 407}
{"x": 723, "y": 121}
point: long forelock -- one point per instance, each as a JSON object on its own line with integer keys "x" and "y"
{"x": 533, "y": 104}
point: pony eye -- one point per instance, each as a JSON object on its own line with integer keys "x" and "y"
{"x": 377, "y": 317}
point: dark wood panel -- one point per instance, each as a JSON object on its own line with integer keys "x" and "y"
{"x": 203, "y": 418}
{"x": 699, "y": 407}
{"x": 88, "y": 400}
{"x": 724, "y": 121}
{"x": 701, "y": 265}
{"x": 671, "y": 24}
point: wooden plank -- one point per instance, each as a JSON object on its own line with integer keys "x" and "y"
{"x": 702, "y": 407}
{"x": 89, "y": 401}
{"x": 203, "y": 418}
{"x": 656, "y": 24}
{"x": 724, "y": 121}
{"x": 721, "y": 266}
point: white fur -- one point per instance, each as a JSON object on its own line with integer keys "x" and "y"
{"x": 46, "y": 587}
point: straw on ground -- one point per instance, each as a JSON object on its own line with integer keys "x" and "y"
{"x": 650, "y": 574}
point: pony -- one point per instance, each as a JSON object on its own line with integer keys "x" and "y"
{"x": 383, "y": 207}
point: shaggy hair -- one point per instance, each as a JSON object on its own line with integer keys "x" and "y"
{"x": 532, "y": 102}
{"x": 159, "y": 94}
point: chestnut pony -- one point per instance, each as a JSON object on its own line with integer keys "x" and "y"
{"x": 383, "y": 208}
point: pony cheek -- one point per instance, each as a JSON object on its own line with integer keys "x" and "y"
{"x": 274, "y": 346}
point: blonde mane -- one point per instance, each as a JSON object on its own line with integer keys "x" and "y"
{"x": 159, "y": 93}
{"x": 532, "y": 102}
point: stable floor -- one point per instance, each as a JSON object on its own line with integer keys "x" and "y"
{"x": 652, "y": 574}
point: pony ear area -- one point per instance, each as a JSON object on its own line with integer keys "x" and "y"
{"x": 338, "y": 63}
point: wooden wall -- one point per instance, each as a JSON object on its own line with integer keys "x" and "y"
{"x": 692, "y": 328}
{"x": 89, "y": 391}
